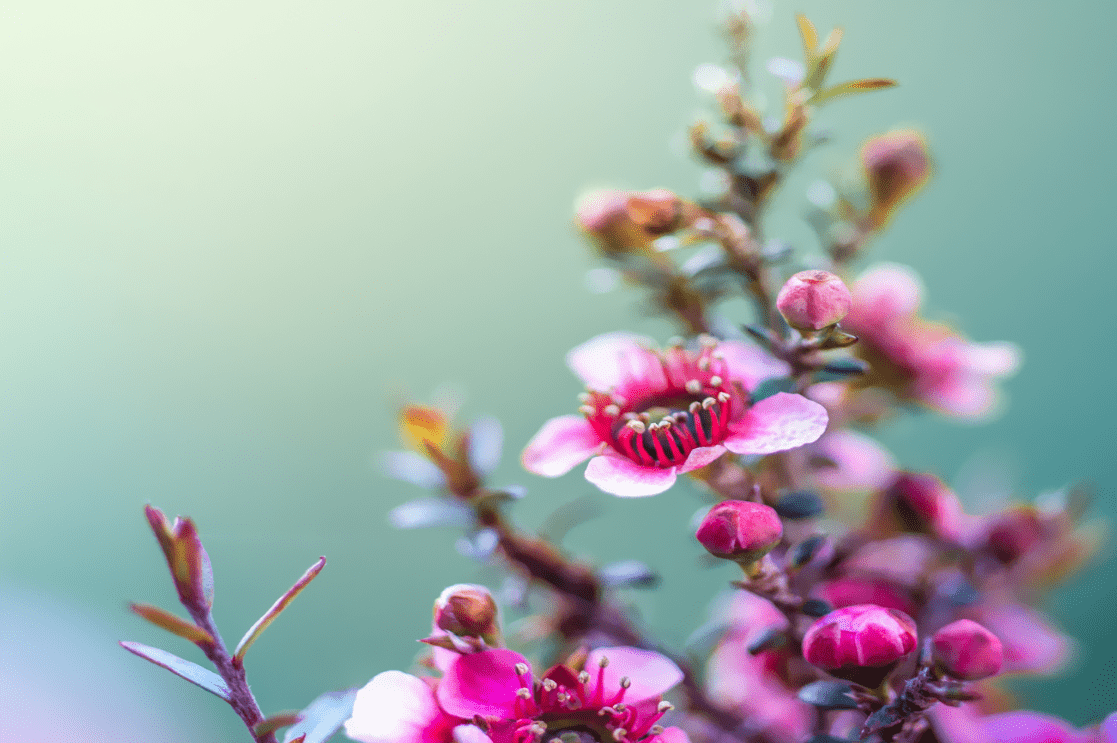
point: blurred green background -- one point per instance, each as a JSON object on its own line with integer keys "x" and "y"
{"x": 236, "y": 234}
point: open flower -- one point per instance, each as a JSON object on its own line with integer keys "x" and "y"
{"x": 916, "y": 359}
{"x": 617, "y": 698}
{"x": 396, "y": 707}
{"x": 650, "y": 415}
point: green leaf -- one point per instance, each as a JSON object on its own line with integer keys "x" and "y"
{"x": 841, "y": 369}
{"x": 277, "y": 608}
{"x": 828, "y": 695}
{"x": 815, "y": 608}
{"x": 769, "y": 639}
{"x": 322, "y": 718}
{"x": 801, "y": 504}
{"x": 810, "y": 40}
{"x": 805, "y": 551}
{"x": 171, "y": 623}
{"x": 192, "y": 672}
{"x": 850, "y": 88}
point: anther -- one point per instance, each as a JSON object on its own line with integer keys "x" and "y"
{"x": 625, "y": 682}
{"x": 644, "y": 417}
{"x": 716, "y": 381}
{"x": 664, "y": 707}
{"x": 550, "y": 684}
{"x": 587, "y": 410}
{"x": 523, "y": 692}
{"x": 620, "y": 400}
{"x": 666, "y": 421}
{"x": 707, "y": 340}
{"x": 521, "y": 669}
{"x": 723, "y": 397}
{"x": 561, "y": 697}
{"x": 693, "y": 386}
{"x": 603, "y": 662}
{"x": 695, "y": 407}
{"x": 584, "y": 677}
{"x": 584, "y": 397}
{"x": 619, "y": 734}
{"x": 704, "y": 364}
{"x": 656, "y": 730}
{"x": 637, "y": 426}
{"x": 708, "y": 403}
{"x": 612, "y": 410}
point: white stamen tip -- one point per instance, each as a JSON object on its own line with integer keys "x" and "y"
{"x": 656, "y": 730}
{"x": 523, "y": 692}
{"x": 521, "y": 669}
{"x": 587, "y": 410}
{"x": 619, "y": 734}
{"x": 695, "y": 406}
{"x": 584, "y": 677}
{"x": 665, "y": 707}
{"x": 637, "y": 426}
{"x": 584, "y": 397}
{"x": 612, "y": 410}
{"x": 550, "y": 684}
{"x": 716, "y": 381}
{"x": 704, "y": 364}
{"x": 625, "y": 682}
{"x": 603, "y": 662}
{"x": 709, "y": 402}
{"x": 694, "y": 386}
{"x": 707, "y": 340}
{"x": 723, "y": 396}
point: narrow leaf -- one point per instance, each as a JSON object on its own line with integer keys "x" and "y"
{"x": 277, "y": 608}
{"x": 172, "y": 624}
{"x": 486, "y": 440}
{"x": 810, "y": 38}
{"x": 426, "y": 512}
{"x": 769, "y": 387}
{"x": 828, "y": 695}
{"x": 412, "y": 467}
{"x": 628, "y": 574}
{"x": 192, "y": 672}
{"x": 850, "y": 88}
{"x": 805, "y": 551}
{"x": 800, "y": 504}
{"x": 816, "y": 608}
{"x": 275, "y": 722}
{"x": 322, "y": 717}
{"x": 770, "y": 639}
{"x": 162, "y": 529}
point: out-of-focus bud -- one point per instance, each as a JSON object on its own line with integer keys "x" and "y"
{"x": 1014, "y": 533}
{"x": 740, "y": 530}
{"x": 850, "y": 591}
{"x": 623, "y": 222}
{"x": 813, "y": 300}
{"x": 921, "y": 504}
{"x": 861, "y": 643}
{"x": 423, "y": 428}
{"x": 896, "y": 166}
{"x": 967, "y": 651}
{"x": 467, "y": 610}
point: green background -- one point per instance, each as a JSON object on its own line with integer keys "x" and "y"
{"x": 235, "y": 235}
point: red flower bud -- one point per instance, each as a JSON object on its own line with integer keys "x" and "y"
{"x": 740, "y": 530}
{"x": 813, "y": 300}
{"x": 466, "y": 610}
{"x": 967, "y": 651}
{"x": 862, "y": 643}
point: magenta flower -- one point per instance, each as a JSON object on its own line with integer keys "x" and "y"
{"x": 650, "y": 415}
{"x": 919, "y": 360}
{"x": 396, "y": 707}
{"x": 618, "y": 696}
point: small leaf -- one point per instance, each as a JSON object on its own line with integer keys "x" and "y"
{"x": 427, "y": 512}
{"x": 837, "y": 339}
{"x": 805, "y": 551}
{"x": 479, "y": 545}
{"x": 277, "y": 608}
{"x": 771, "y": 386}
{"x": 162, "y": 530}
{"x": 770, "y": 639}
{"x": 810, "y": 38}
{"x": 275, "y": 722}
{"x": 411, "y": 467}
{"x": 815, "y": 608}
{"x": 850, "y": 88}
{"x": 628, "y": 574}
{"x": 883, "y": 718}
{"x": 171, "y": 623}
{"x": 828, "y": 695}
{"x": 486, "y": 440}
{"x": 192, "y": 672}
{"x": 798, "y": 505}
{"x": 760, "y": 333}
{"x": 191, "y": 568}
{"x": 322, "y": 718}
{"x": 841, "y": 369}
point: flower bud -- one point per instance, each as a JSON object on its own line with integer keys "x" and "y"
{"x": 967, "y": 651}
{"x": 466, "y": 610}
{"x": 861, "y": 643}
{"x": 1014, "y": 533}
{"x": 921, "y": 504}
{"x": 623, "y": 222}
{"x": 740, "y": 530}
{"x": 896, "y": 165}
{"x": 813, "y": 300}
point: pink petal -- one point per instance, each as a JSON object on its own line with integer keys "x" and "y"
{"x": 561, "y": 443}
{"x": 700, "y": 457}
{"x": 1031, "y": 645}
{"x": 997, "y": 359}
{"x": 470, "y": 734}
{"x": 1108, "y": 729}
{"x": 1030, "y": 727}
{"x": 883, "y": 293}
{"x": 671, "y": 735}
{"x": 958, "y": 724}
{"x": 749, "y": 364}
{"x": 482, "y": 683}
{"x": 395, "y": 707}
{"x": 777, "y": 423}
{"x": 608, "y": 360}
{"x": 617, "y": 475}
{"x": 651, "y": 674}
{"x": 859, "y": 462}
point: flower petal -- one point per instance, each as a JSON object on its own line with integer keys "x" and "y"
{"x": 395, "y": 707}
{"x": 608, "y": 360}
{"x": 470, "y": 734}
{"x": 700, "y": 457}
{"x": 650, "y": 674}
{"x": 882, "y": 294}
{"x": 750, "y": 364}
{"x": 483, "y": 683}
{"x": 854, "y": 462}
{"x": 1025, "y": 726}
{"x": 561, "y": 443}
{"x": 617, "y": 475}
{"x": 777, "y": 423}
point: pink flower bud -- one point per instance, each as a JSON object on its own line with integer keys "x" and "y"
{"x": 861, "y": 643}
{"x": 740, "y": 530}
{"x": 921, "y": 504}
{"x": 1012, "y": 534}
{"x": 967, "y": 651}
{"x": 622, "y": 222}
{"x": 813, "y": 300}
{"x": 466, "y": 610}
{"x": 896, "y": 165}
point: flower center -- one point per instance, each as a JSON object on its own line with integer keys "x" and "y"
{"x": 656, "y": 419}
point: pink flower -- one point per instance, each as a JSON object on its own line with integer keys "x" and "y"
{"x": 860, "y": 643}
{"x": 918, "y": 360}
{"x": 921, "y": 504}
{"x": 650, "y": 415}
{"x": 618, "y": 695}
{"x": 845, "y": 460}
{"x": 396, "y": 707}
{"x": 965, "y": 724}
{"x": 1030, "y": 643}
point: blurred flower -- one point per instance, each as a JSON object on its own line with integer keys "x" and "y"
{"x": 623, "y": 222}
{"x": 918, "y": 360}
{"x": 896, "y": 166}
{"x": 921, "y": 504}
{"x": 668, "y": 412}
{"x": 967, "y": 651}
{"x": 850, "y": 591}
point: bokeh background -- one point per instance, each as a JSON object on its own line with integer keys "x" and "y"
{"x": 235, "y": 235}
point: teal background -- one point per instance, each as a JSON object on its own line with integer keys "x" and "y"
{"x": 236, "y": 234}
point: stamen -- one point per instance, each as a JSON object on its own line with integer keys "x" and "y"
{"x": 521, "y": 669}
{"x": 716, "y": 381}
{"x": 625, "y": 683}
{"x": 604, "y": 662}
{"x": 584, "y": 397}
{"x": 587, "y": 410}
{"x": 664, "y": 707}
{"x": 708, "y": 340}
{"x": 584, "y": 677}
{"x": 523, "y": 693}
{"x": 550, "y": 684}
{"x": 655, "y": 730}
{"x": 612, "y": 410}
{"x": 693, "y": 386}
{"x": 704, "y": 364}
{"x": 708, "y": 403}
{"x": 694, "y": 407}
{"x": 723, "y": 397}
{"x": 619, "y": 734}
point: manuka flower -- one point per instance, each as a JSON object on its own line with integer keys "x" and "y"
{"x": 650, "y": 415}
{"x": 618, "y": 698}
{"x": 916, "y": 359}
